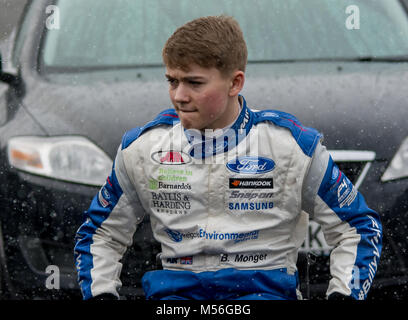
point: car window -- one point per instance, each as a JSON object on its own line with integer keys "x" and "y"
{"x": 96, "y": 33}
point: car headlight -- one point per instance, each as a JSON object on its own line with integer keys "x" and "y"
{"x": 68, "y": 158}
{"x": 398, "y": 167}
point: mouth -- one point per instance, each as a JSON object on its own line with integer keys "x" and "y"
{"x": 186, "y": 110}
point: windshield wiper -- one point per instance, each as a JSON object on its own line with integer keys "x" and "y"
{"x": 401, "y": 58}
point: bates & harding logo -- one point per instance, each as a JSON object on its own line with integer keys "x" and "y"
{"x": 251, "y": 165}
{"x": 248, "y": 183}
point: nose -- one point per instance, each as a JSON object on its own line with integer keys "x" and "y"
{"x": 181, "y": 94}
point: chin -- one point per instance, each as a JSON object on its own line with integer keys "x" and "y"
{"x": 188, "y": 124}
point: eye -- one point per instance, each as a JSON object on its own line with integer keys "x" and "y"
{"x": 195, "y": 83}
{"x": 172, "y": 82}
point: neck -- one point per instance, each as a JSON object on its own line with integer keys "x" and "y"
{"x": 231, "y": 114}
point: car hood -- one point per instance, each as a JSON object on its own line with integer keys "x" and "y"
{"x": 96, "y": 105}
{"x": 357, "y": 106}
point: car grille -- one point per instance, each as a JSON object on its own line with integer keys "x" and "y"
{"x": 353, "y": 163}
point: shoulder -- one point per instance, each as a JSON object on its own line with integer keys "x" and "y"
{"x": 166, "y": 117}
{"x": 307, "y": 138}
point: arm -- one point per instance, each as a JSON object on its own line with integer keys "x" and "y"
{"x": 348, "y": 224}
{"x": 107, "y": 231}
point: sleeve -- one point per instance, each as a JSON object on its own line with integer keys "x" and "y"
{"x": 348, "y": 224}
{"x": 108, "y": 229}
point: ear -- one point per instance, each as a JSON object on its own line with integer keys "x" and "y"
{"x": 237, "y": 83}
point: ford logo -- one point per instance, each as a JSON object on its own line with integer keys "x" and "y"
{"x": 251, "y": 165}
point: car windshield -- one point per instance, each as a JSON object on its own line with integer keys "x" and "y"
{"x": 125, "y": 33}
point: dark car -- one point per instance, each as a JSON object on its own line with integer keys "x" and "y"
{"x": 77, "y": 74}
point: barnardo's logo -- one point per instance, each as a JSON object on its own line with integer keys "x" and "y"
{"x": 251, "y": 165}
{"x": 156, "y": 185}
{"x": 171, "y": 157}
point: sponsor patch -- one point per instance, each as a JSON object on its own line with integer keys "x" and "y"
{"x": 269, "y": 114}
{"x": 245, "y": 206}
{"x": 236, "y": 237}
{"x": 178, "y": 236}
{"x": 251, "y": 165}
{"x": 346, "y": 192}
{"x": 166, "y": 174}
{"x": 335, "y": 173}
{"x": 156, "y": 185}
{"x": 174, "y": 235}
{"x": 250, "y": 195}
{"x": 171, "y": 157}
{"x": 246, "y": 201}
{"x": 172, "y": 260}
{"x": 342, "y": 188}
{"x": 243, "y": 258}
{"x": 104, "y": 196}
{"x": 245, "y": 120}
{"x": 183, "y": 260}
{"x": 170, "y": 202}
{"x": 186, "y": 260}
{"x": 248, "y": 183}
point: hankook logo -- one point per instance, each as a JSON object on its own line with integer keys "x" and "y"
{"x": 248, "y": 183}
{"x": 171, "y": 157}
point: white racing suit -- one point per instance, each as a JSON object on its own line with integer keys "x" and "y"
{"x": 230, "y": 215}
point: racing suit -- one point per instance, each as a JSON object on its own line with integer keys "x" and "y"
{"x": 230, "y": 215}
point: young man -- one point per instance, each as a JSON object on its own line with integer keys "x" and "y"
{"x": 228, "y": 189}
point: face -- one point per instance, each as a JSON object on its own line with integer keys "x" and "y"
{"x": 202, "y": 97}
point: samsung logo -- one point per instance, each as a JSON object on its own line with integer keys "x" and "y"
{"x": 251, "y": 165}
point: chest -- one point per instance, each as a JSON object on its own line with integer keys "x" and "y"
{"x": 257, "y": 180}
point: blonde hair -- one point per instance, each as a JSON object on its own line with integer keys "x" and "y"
{"x": 213, "y": 41}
